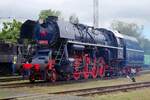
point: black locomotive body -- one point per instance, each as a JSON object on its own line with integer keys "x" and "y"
{"x": 63, "y": 50}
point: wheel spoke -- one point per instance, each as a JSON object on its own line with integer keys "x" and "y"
{"x": 102, "y": 67}
{"x": 76, "y": 75}
{"x": 94, "y": 70}
{"x": 53, "y": 76}
{"x": 77, "y": 63}
{"x": 86, "y": 61}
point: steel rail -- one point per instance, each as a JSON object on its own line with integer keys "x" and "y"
{"x": 90, "y": 91}
{"x": 106, "y": 89}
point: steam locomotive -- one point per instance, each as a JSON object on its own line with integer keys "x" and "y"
{"x": 63, "y": 50}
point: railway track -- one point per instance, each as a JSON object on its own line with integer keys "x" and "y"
{"x": 89, "y": 91}
{"x": 17, "y": 78}
{"x": 10, "y": 78}
{"x": 43, "y": 83}
{"x": 107, "y": 89}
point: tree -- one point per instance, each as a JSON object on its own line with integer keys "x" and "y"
{"x": 45, "y": 13}
{"x": 74, "y": 19}
{"x": 145, "y": 45}
{"x": 130, "y": 29}
{"x": 10, "y": 31}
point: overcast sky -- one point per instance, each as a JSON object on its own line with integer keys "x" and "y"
{"x": 137, "y": 11}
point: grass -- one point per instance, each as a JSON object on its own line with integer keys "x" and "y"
{"x": 142, "y": 94}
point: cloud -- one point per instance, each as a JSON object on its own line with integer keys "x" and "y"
{"x": 26, "y": 8}
{"x": 136, "y": 11}
{"x": 128, "y": 10}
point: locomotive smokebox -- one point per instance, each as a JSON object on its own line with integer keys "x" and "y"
{"x": 27, "y": 29}
{"x": 45, "y": 31}
{"x": 52, "y": 18}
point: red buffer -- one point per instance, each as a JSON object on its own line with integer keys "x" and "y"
{"x": 36, "y": 67}
{"x": 26, "y": 68}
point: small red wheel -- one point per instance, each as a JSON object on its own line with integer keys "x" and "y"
{"x": 76, "y": 75}
{"x": 53, "y": 77}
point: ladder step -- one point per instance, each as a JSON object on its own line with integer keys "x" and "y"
{"x": 57, "y": 53}
{"x": 60, "y": 53}
{"x": 59, "y": 59}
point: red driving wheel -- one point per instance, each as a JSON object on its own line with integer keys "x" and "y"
{"x": 102, "y": 71}
{"x": 94, "y": 70}
{"x": 86, "y": 61}
{"x": 77, "y": 63}
{"x": 85, "y": 72}
{"x": 76, "y": 75}
{"x": 102, "y": 67}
